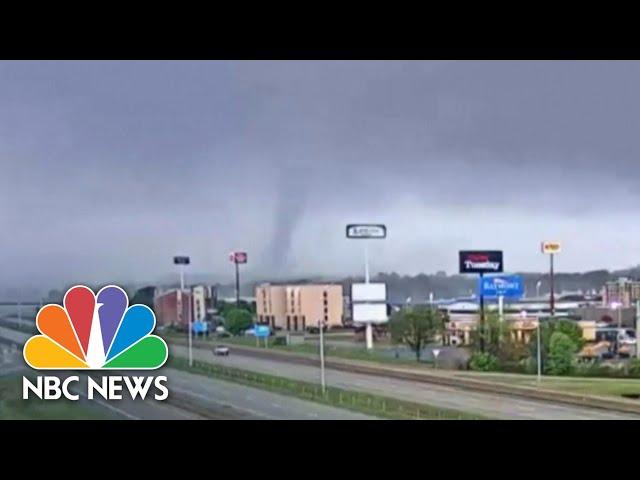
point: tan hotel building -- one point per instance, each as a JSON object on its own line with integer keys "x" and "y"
{"x": 299, "y": 307}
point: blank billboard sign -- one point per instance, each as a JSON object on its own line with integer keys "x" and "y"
{"x": 368, "y": 292}
{"x": 370, "y": 312}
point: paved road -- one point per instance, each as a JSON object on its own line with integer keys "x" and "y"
{"x": 194, "y": 396}
{"x": 254, "y": 402}
{"x": 490, "y": 405}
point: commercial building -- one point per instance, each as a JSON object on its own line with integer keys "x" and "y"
{"x": 460, "y": 332}
{"x": 172, "y": 308}
{"x": 204, "y": 302}
{"x": 196, "y": 303}
{"x": 299, "y": 307}
{"x": 623, "y": 292}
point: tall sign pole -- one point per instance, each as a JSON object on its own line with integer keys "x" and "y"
{"x": 237, "y": 285}
{"x": 237, "y": 258}
{"x": 480, "y": 262}
{"x": 551, "y": 248}
{"x": 366, "y": 232}
{"x": 552, "y": 300}
{"x": 181, "y": 261}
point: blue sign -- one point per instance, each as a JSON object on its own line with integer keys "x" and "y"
{"x": 261, "y": 331}
{"x": 507, "y": 286}
{"x": 200, "y": 327}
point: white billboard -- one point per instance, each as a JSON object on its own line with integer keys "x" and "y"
{"x": 366, "y": 231}
{"x": 368, "y": 292}
{"x": 370, "y": 312}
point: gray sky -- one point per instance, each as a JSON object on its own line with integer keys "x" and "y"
{"x": 111, "y": 168}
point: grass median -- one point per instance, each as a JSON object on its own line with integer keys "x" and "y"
{"x": 375, "y": 405}
{"x": 13, "y": 407}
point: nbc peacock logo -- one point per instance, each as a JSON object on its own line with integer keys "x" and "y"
{"x": 95, "y": 331}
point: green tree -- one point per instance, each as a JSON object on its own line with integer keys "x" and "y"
{"x": 144, "y": 296}
{"x": 493, "y": 334}
{"x": 415, "y": 327}
{"x": 561, "y": 351}
{"x": 499, "y": 346}
{"x": 223, "y": 307}
{"x": 237, "y": 320}
{"x": 547, "y": 329}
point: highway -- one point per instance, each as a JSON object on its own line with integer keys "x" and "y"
{"x": 221, "y": 399}
{"x": 191, "y": 396}
{"x": 491, "y": 405}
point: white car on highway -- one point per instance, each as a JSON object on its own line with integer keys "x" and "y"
{"x": 221, "y": 351}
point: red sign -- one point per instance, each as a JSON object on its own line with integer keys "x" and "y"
{"x": 238, "y": 257}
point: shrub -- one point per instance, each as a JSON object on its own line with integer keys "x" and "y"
{"x": 634, "y": 368}
{"x": 561, "y": 351}
{"x": 483, "y": 362}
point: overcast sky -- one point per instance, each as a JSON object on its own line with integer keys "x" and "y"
{"x": 111, "y": 168}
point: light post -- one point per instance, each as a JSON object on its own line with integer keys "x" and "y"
{"x": 322, "y": 378}
{"x": 181, "y": 261}
{"x": 618, "y": 307}
{"x": 523, "y": 314}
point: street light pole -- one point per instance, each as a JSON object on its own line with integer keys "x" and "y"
{"x": 189, "y": 318}
{"x": 322, "y": 379}
{"x": 481, "y": 329}
{"x": 181, "y": 261}
{"x": 539, "y": 354}
{"x": 620, "y": 316}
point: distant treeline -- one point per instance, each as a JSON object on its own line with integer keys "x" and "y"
{"x": 418, "y": 287}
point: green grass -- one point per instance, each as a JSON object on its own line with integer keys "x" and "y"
{"x": 374, "y": 405}
{"x": 13, "y": 407}
{"x": 614, "y": 387}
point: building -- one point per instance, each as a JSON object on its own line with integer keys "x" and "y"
{"x": 167, "y": 306}
{"x": 299, "y": 307}
{"x": 623, "y": 291}
{"x": 204, "y": 302}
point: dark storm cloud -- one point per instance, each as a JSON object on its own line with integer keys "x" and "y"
{"x": 112, "y": 167}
